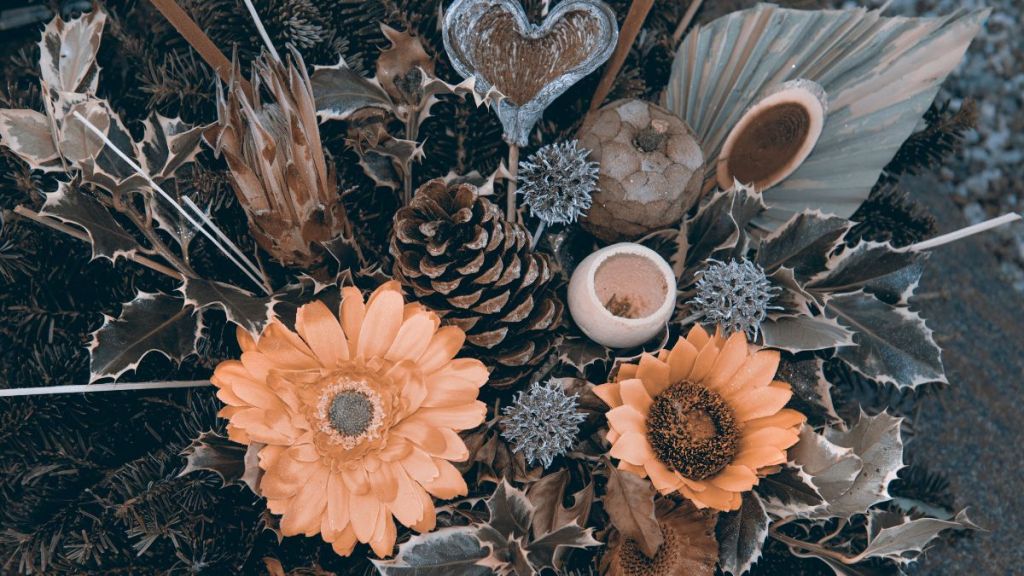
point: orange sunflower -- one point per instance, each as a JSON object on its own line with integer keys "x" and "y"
{"x": 705, "y": 419}
{"x": 359, "y": 414}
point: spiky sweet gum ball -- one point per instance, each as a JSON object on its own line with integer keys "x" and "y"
{"x": 735, "y": 295}
{"x": 557, "y": 182}
{"x": 542, "y": 423}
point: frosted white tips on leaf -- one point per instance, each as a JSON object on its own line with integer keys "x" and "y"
{"x": 775, "y": 136}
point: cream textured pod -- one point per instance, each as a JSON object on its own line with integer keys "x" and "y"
{"x": 622, "y": 295}
{"x": 652, "y": 169}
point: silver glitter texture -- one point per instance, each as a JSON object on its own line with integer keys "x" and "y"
{"x": 736, "y": 296}
{"x": 556, "y": 182}
{"x": 542, "y": 423}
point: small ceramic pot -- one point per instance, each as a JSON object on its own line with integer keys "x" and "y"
{"x": 622, "y": 295}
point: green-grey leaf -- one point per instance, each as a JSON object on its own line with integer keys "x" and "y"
{"x": 168, "y": 144}
{"x": 875, "y": 266}
{"x": 240, "y": 306}
{"x": 27, "y": 133}
{"x": 340, "y": 91}
{"x": 67, "y": 53}
{"x": 109, "y": 240}
{"x": 805, "y": 333}
{"x": 803, "y": 244}
{"x": 893, "y": 343}
{"x": 149, "y": 323}
{"x": 454, "y": 550}
{"x": 741, "y": 535}
{"x": 789, "y": 491}
{"x": 897, "y": 541}
{"x": 880, "y": 74}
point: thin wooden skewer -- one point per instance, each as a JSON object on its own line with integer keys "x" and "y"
{"x": 112, "y": 387}
{"x": 965, "y": 232}
{"x": 685, "y": 22}
{"x": 202, "y": 44}
{"x": 167, "y": 197}
{"x": 216, "y": 230}
{"x": 75, "y": 233}
{"x": 511, "y": 214}
{"x": 627, "y": 35}
{"x": 263, "y": 31}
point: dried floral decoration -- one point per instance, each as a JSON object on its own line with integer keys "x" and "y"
{"x": 542, "y": 423}
{"x": 735, "y": 295}
{"x": 359, "y": 414}
{"x": 704, "y": 419}
{"x": 557, "y": 182}
{"x": 278, "y": 168}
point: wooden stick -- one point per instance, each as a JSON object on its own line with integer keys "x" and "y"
{"x": 76, "y": 233}
{"x": 965, "y": 232}
{"x": 112, "y": 387}
{"x": 685, "y": 22}
{"x": 627, "y": 35}
{"x": 511, "y": 214}
{"x": 202, "y": 44}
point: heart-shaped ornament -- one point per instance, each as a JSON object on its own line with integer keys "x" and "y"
{"x": 528, "y": 65}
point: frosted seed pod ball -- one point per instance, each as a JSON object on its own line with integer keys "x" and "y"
{"x": 652, "y": 169}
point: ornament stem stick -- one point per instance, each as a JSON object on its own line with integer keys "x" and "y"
{"x": 111, "y": 387}
{"x": 138, "y": 170}
{"x": 537, "y": 233}
{"x": 627, "y": 35}
{"x": 513, "y": 169}
{"x": 684, "y": 23}
{"x": 61, "y": 227}
{"x": 965, "y": 232}
{"x": 263, "y": 31}
{"x": 206, "y": 220}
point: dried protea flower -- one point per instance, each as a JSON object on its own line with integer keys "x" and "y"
{"x": 736, "y": 296}
{"x": 543, "y": 422}
{"x": 278, "y": 169}
{"x": 556, "y": 182}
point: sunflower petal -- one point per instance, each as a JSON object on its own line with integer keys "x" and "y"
{"x": 653, "y": 373}
{"x": 634, "y": 394}
{"x": 735, "y": 478}
{"x": 633, "y": 448}
{"x": 627, "y": 419}
{"x": 759, "y": 402}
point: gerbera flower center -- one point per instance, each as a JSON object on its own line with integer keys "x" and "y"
{"x": 692, "y": 430}
{"x": 350, "y": 412}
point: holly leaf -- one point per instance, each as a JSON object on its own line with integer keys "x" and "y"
{"x": 741, "y": 535}
{"x": 67, "y": 53}
{"x": 149, "y": 323}
{"x": 28, "y": 134}
{"x": 812, "y": 392}
{"x": 803, "y": 244}
{"x": 629, "y": 502}
{"x": 546, "y": 497}
{"x": 340, "y": 91}
{"x": 893, "y": 344}
{"x": 789, "y": 491}
{"x": 548, "y": 551}
{"x": 873, "y": 266}
{"x": 511, "y": 512}
{"x": 453, "y": 550}
{"x": 167, "y": 145}
{"x": 851, "y": 469}
{"x": 898, "y": 538}
{"x": 240, "y": 306}
{"x": 235, "y": 463}
{"x": 580, "y": 352}
{"x": 108, "y": 239}
{"x": 718, "y": 229}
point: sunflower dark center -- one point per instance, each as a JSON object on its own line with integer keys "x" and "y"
{"x": 692, "y": 430}
{"x": 666, "y": 562}
{"x": 350, "y": 412}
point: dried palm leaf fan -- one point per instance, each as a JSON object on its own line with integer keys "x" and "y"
{"x": 278, "y": 169}
{"x": 880, "y": 75}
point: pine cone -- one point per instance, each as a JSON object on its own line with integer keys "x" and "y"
{"x": 462, "y": 259}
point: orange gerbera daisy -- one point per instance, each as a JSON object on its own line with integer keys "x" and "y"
{"x": 359, "y": 415}
{"x": 705, "y": 419}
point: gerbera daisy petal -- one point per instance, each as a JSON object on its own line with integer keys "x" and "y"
{"x": 337, "y": 517}
{"x": 760, "y": 402}
{"x": 449, "y": 482}
{"x": 345, "y": 542}
{"x": 307, "y": 506}
{"x": 351, "y": 315}
{"x": 365, "y": 509}
{"x": 284, "y": 349}
{"x": 653, "y": 373}
{"x": 322, "y": 332}
{"x": 632, "y": 448}
{"x": 420, "y": 466}
{"x": 413, "y": 337}
{"x": 385, "y": 483}
{"x": 385, "y": 308}
{"x": 626, "y": 419}
{"x": 406, "y": 506}
{"x": 461, "y": 417}
{"x": 634, "y": 394}
{"x": 384, "y": 536}
{"x": 443, "y": 346}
